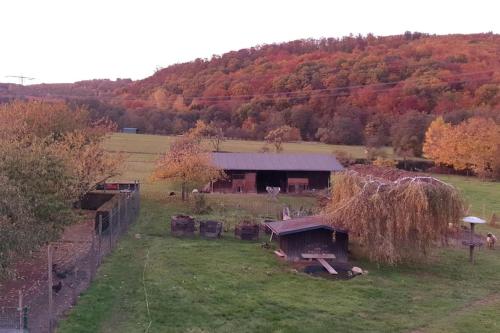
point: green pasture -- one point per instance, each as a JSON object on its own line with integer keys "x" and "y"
{"x": 154, "y": 282}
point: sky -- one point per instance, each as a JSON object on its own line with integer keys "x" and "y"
{"x": 71, "y": 40}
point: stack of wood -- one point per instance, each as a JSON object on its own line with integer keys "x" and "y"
{"x": 182, "y": 225}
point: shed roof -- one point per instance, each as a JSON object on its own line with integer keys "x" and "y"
{"x": 272, "y": 161}
{"x": 281, "y": 228}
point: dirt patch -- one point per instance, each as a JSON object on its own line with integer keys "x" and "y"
{"x": 313, "y": 268}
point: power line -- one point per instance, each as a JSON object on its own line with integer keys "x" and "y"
{"x": 21, "y": 78}
{"x": 316, "y": 93}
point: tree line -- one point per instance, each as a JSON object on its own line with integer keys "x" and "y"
{"x": 353, "y": 90}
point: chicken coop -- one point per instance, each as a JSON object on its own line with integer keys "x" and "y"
{"x": 309, "y": 237}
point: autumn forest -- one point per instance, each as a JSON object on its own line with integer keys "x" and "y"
{"x": 353, "y": 90}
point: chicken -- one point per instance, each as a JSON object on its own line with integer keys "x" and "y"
{"x": 57, "y": 287}
{"x": 491, "y": 240}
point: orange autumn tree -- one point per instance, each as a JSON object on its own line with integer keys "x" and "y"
{"x": 89, "y": 162}
{"x": 187, "y": 163}
{"x": 67, "y": 132}
{"x": 210, "y": 132}
{"x": 473, "y": 144}
{"x": 281, "y": 135}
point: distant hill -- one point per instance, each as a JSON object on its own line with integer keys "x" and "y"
{"x": 99, "y": 89}
{"x": 320, "y": 86}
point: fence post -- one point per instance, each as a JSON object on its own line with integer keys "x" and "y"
{"x": 20, "y": 309}
{"x": 126, "y": 211}
{"x": 100, "y": 240}
{"x": 119, "y": 207}
{"x": 111, "y": 230}
{"x": 93, "y": 261}
{"x": 50, "y": 283}
{"x": 25, "y": 318}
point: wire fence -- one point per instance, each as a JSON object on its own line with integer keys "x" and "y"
{"x": 58, "y": 273}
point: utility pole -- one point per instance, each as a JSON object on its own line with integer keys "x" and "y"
{"x": 21, "y": 78}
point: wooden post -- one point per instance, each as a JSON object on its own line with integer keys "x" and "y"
{"x": 99, "y": 240}
{"x": 119, "y": 208}
{"x": 471, "y": 245}
{"x": 93, "y": 261}
{"x": 21, "y": 311}
{"x": 126, "y": 214}
{"x": 111, "y": 231}
{"x": 50, "y": 283}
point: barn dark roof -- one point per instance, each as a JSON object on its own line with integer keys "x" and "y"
{"x": 300, "y": 224}
{"x": 282, "y": 162}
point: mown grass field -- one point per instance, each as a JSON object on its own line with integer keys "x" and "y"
{"x": 226, "y": 285}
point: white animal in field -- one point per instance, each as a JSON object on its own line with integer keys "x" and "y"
{"x": 491, "y": 240}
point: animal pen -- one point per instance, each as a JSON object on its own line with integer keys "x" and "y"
{"x": 51, "y": 280}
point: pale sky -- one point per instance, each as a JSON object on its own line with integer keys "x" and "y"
{"x": 72, "y": 40}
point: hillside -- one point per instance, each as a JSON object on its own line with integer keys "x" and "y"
{"x": 342, "y": 91}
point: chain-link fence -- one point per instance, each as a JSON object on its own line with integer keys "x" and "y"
{"x": 13, "y": 318}
{"x": 61, "y": 271}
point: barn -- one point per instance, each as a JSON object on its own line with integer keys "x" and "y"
{"x": 310, "y": 237}
{"x": 292, "y": 173}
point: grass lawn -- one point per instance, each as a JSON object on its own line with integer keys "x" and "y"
{"x": 227, "y": 285}
{"x": 157, "y": 144}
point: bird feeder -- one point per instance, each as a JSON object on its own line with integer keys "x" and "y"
{"x": 471, "y": 243}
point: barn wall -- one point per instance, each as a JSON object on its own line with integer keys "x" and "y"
{"x": 237, "y": 182}
{"x": 318, "y": 180}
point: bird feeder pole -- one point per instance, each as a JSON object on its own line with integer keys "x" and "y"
{"x": 49, "y": 269}
{"x": 471, "y": 243}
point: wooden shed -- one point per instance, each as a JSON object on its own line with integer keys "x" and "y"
{"x": 309, "y": 235}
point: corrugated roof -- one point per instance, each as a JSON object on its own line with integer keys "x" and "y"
{"x": 301, "y": 224}
{"x": 282, "y": 162}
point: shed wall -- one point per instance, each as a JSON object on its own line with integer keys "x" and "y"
{"x": 314, "y": 241}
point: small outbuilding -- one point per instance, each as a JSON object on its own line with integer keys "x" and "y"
{"x": 130, "y": 130}
{"x": 310, "y": 237}
{"x": 292, "y": 173}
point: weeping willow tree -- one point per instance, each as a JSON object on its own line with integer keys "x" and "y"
{"x": 395, "y": 221}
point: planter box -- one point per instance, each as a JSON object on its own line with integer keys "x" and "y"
{"x": 210, "y": 229}
{"x": 247, "y": 231}
{"x": 182, "y": 225}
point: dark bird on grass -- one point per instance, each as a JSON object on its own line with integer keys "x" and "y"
{"x": 57, "y": 287}
{"x": 265, "y": 245}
